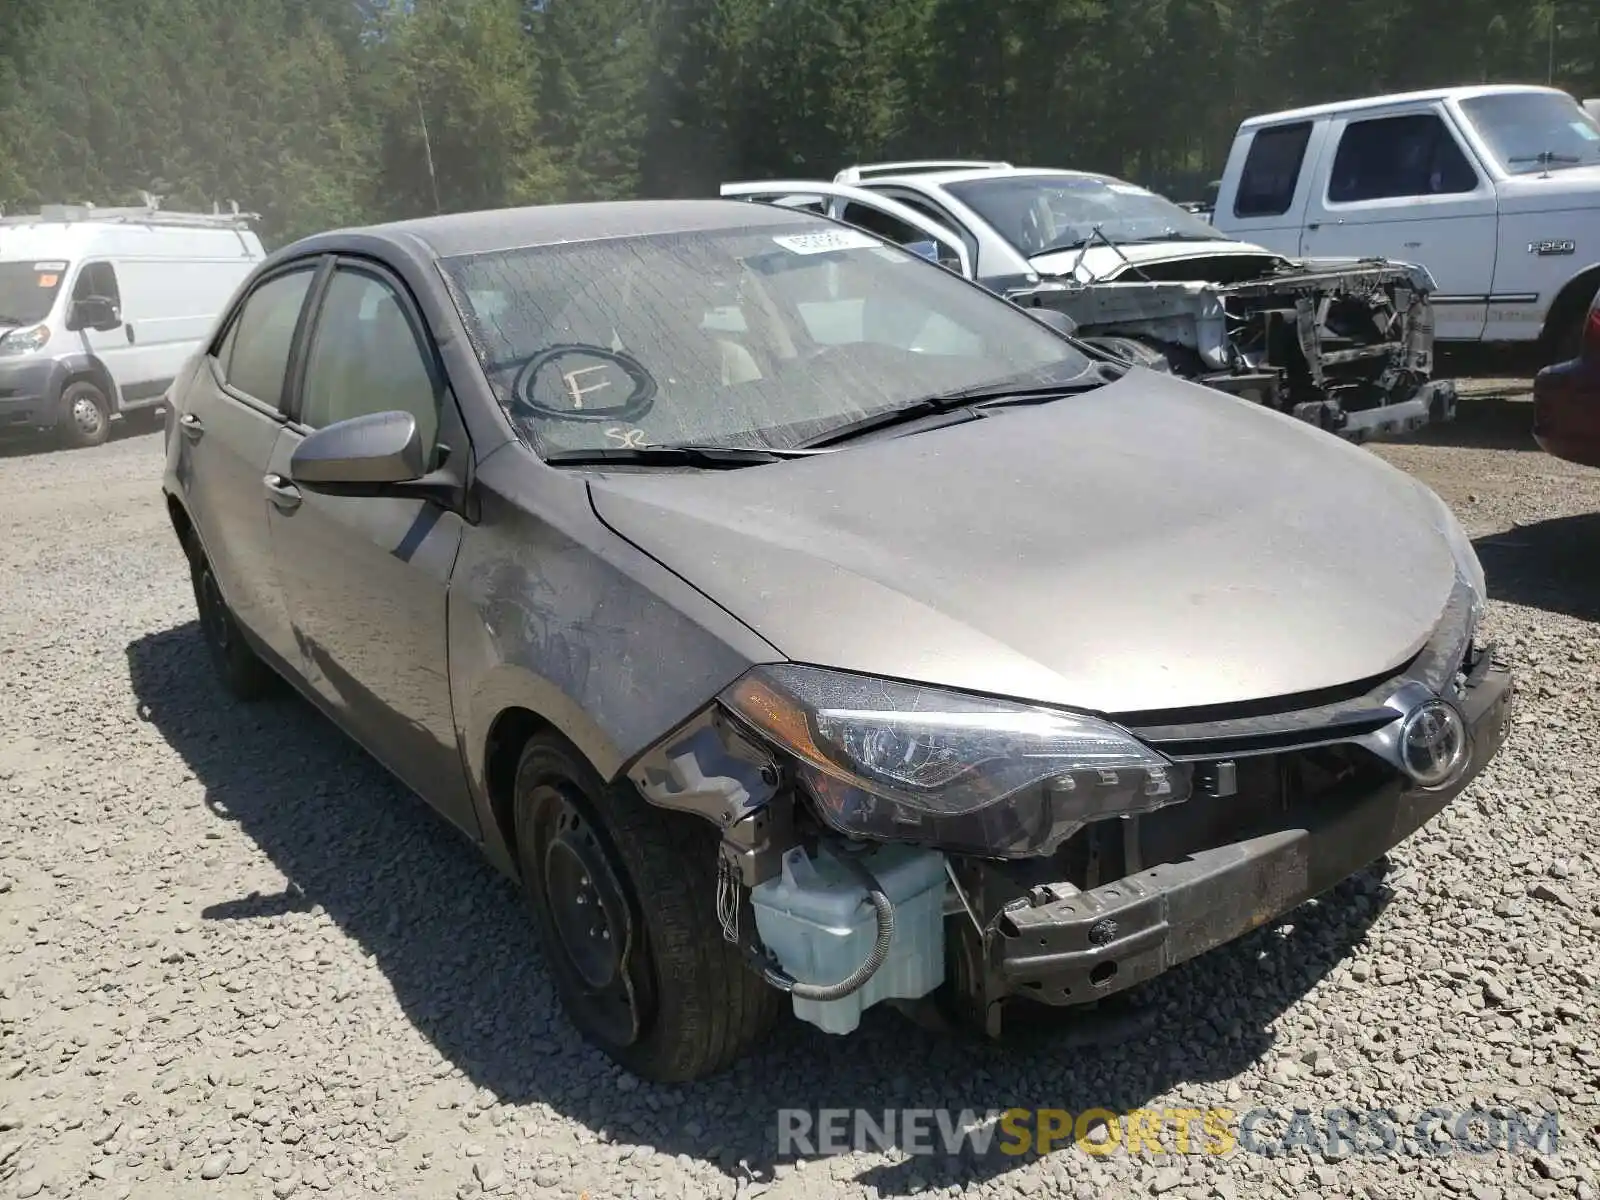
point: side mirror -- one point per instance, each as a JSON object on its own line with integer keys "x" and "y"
{"x": 1059, "y": 321}
{"x": 93, "y": 312}
{"x": 363, "y": 456}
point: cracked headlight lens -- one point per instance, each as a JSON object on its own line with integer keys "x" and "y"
{"x": 901, "y": 762}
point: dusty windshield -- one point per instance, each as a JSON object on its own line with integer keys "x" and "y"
{"x": 28, "y": 290}
{"x": 742, "y": 337}
{"x": 1041, "y": 213}
{"x": 1531, "y": 132}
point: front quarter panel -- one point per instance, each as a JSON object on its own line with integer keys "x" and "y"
{"x": 551, "y": 612}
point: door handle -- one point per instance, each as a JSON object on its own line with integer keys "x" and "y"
{"x": 283, "y": 494}
{"x": 193, "y": 428}
{"x": 1313, "y": 224}
{"x": 128, "y": 329}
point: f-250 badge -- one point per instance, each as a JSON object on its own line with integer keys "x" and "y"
{"x": 1553, "y": 246}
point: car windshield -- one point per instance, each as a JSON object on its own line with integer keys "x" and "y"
{"x": 762, "y": 337}
{"x": 1533, "y": 132}
{"x": 28, "y": 290}
{"x": 1042, "y": 213}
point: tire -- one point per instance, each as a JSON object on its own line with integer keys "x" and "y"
{"x": 243, "y": 673}
{"x": 677, "y": 1002}
{"x": 85, "y": 417}
{"x": 1568, "y": 340}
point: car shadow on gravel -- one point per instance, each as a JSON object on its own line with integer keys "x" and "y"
{"x": 1484, "y": 423}
{"x": 17, "y": 446}
{"x": 451, "y": 938}
{"x": 1552, "y": 565}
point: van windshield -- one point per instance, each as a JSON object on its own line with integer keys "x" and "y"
{"x": 1533, "y": 132}
{"x": 28, "y": 290}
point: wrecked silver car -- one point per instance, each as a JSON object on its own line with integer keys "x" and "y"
{"x": 1345, "y": 344}
{"x": 800, "y": 623}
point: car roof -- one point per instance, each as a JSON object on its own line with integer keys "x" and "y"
{"x": 963, "y": 174}
{"x": 451, "y": 234}
{"x": 1366, "y": 102}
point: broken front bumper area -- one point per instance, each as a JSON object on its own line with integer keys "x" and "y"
{"x": 1059, "y": 945}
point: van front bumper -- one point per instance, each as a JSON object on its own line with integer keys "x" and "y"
{"x": 29, "y": 390}
{"x": 1070, "y": 947}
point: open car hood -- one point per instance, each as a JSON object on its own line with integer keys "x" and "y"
{"x": 1149, "y": 545}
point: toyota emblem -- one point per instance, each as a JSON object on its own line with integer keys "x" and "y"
{"x": 1433, "y": 743}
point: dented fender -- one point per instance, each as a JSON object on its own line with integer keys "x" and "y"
{"x": 561, "y": 617}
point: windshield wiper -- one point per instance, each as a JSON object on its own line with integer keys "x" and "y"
{"x": 974, "y": 398}
{"x": 1059, "y": 247}
{"x": 724, "y": 457}
{"x": 1546, "y": 158}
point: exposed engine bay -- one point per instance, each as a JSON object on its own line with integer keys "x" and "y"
{"x": 1347, "y": 347}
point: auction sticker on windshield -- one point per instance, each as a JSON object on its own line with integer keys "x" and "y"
{"x": 823, "y": 243}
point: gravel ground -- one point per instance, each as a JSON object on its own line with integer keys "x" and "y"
{"x": 237, "y": 961}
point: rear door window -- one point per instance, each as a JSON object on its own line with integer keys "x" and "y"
{"x": 257, "y": 347}
{"x": 1272, "y": 170}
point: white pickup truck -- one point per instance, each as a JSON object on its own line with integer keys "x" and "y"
{"x": 1494, "y": 189}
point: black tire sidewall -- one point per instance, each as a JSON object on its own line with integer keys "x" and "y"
{"x": 708, "y": 1008}
{"x": 70, "y": 433}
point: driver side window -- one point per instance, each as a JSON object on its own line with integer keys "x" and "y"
{"x": 366, "y": 358}
{"x": 98, "y": 280}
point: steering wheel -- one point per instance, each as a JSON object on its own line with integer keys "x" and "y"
{"x": 638, "y": 403}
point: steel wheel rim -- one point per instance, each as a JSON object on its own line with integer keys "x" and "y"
{"x": 591, "y": 919}
{"x": 213, "y": 617}
{"x": 87, "y": 416}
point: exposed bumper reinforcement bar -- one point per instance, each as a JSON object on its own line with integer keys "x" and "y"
{"x": 1081, "y": 946}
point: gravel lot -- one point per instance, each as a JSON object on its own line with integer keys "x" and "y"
{"x": 237, "y": 961}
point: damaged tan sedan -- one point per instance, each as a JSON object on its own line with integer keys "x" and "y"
{"x": 800, "y": 623}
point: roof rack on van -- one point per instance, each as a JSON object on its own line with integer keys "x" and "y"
{"x": 862, "y": 171}
{"x": 148, "y": 213}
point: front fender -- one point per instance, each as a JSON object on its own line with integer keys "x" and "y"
{"x": 553, "y": 614}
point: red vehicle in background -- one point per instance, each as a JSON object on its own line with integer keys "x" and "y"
{"x": 1566, "y": 400}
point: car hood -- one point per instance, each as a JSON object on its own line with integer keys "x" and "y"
{"x": 1149, "y": 545}
{"x": 1099, "y": 261}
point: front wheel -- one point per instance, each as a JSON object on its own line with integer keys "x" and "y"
{"x": 659, "y": 990}
{"x": 85, "y": 418}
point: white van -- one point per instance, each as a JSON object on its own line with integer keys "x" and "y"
{"x": 1495, "y": 189}
{"x": 100, "y": 307}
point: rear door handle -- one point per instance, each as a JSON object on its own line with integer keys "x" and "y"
{"x": 193, "y": 428}
{"x": 283, "y": 494}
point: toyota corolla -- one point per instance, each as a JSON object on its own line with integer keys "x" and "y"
{"x": 802, "y": 624}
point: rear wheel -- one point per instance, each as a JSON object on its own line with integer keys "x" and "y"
{"x": 241, "y": 670}
{"x": 658, "y": 989}
{"x": 85, "y": 418}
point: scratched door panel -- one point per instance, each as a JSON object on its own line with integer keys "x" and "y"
{"x": 365, "y": 581}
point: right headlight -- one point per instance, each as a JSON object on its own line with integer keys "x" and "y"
{"x": 901, "y": 762}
